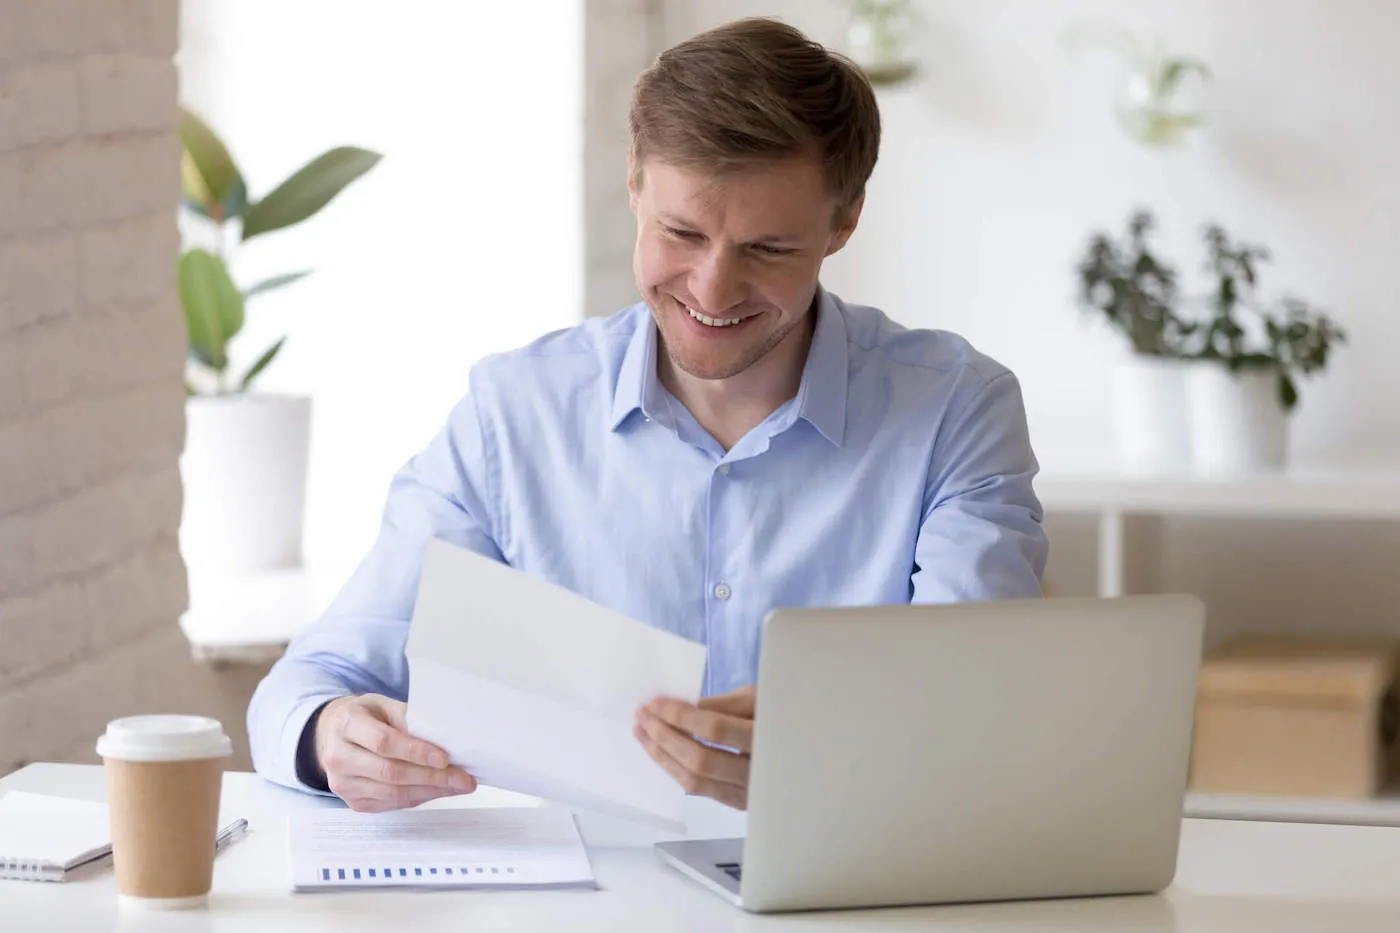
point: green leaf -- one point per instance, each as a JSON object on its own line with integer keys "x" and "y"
{"x": 210, "y": 176}
{"x": 195, "y": 191}
{"x": 233, "y": 205}
{"x": 213, "y": 306}
{"x": 1175, "y": 70}
{"x": 260, "y": 365}
{"x": 201, "y": 356}
{"x": 1287, "y": 391}
{"x": 309, "y": 190}
{"x": 277, "y": 281}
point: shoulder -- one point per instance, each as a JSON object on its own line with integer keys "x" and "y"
{"x": 936, "y": 358}
{"x": 586, "y": 347}
{"x": 558, "y": 364}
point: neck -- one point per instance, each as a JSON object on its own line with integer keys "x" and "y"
{"x": 730, "y": 408}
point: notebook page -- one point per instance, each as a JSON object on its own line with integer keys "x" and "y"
{"x": 20, "y": 801}
{"x": 483, "y": 847}
{"x": 59, "y": 832}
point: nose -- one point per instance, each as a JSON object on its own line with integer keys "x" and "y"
{"x": 717, "y": 283}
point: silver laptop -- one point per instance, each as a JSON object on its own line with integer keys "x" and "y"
{"x": 982, "y": 751}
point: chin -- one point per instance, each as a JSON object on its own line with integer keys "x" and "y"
{"x": 708, "y": 370}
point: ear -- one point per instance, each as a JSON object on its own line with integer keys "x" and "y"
{"x": 845, "y": 226}
{"x": 634, "y": 183}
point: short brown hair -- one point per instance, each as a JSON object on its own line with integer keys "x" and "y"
{"x": 757, "y": 90}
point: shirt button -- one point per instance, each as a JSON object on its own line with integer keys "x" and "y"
{"x": 724, "y": 468}
{"x": 722, "y": 591}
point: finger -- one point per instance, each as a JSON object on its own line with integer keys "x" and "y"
{"x": 711, "y": 763}
{"x": 731, "y": 794}
{"x": 735, "y": 703}
{"x": 368, "y": 796}
{"x": 355, "y": 761}
{"x": 387, "y": 741}
{"x": 718, "y": 728}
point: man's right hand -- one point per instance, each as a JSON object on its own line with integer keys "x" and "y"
{"x": 373, "y": 764}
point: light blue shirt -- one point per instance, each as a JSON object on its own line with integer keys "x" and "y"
{"x": 901, "y": 471}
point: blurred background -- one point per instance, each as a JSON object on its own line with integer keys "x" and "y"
{"x": 1013, "y": 133}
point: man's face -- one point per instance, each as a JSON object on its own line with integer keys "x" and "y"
{"x": 728, "y": 263}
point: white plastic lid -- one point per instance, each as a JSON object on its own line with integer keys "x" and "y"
{"x": 164, "y": 738}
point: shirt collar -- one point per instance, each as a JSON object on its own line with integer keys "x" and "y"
{"x": 638, "y": 388}
{"x": 821, "y": 397}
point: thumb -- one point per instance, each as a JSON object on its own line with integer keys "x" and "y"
{"x": 394, "y": 712}
{"x": 735, "y": 703}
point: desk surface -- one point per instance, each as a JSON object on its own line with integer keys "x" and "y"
{"x": 1241, "y": 877}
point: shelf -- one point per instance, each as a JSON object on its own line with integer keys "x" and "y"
{"x": 1378, "y": 811}
{"x": 1093, "y": 484}
{"x": 1128, "y": 503}
{"x": 250, "y": 617}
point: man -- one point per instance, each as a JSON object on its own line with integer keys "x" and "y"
{"x": 740, "y": 440}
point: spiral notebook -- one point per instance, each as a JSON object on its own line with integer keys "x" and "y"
{"x": 486, "y": 847}
{"x": 45, "y": 838}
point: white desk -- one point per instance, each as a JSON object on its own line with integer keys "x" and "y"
{"x": 1234, "y": 876}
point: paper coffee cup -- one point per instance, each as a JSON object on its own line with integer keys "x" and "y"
{"x": 164, "y": 774}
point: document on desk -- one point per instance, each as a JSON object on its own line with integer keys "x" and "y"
{"x": 533, "y": 688}
{"x": 488, "y": 847}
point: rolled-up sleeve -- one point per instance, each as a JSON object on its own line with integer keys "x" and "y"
{"x": 982, "y": 536}
{"x": 357, "y": 646}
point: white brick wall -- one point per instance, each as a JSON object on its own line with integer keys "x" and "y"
{"x": 91, "y": 392}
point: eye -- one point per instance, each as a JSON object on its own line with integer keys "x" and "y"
{"x": 681, "y": 234}
{"x": 767, "y": 250}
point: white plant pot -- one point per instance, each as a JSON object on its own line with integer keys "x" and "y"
{"x": 244, "y": 472}
{"x": 1149, "y": 412}
{"x": 1238, "y": 424}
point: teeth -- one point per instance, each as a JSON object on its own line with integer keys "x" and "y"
{"x": 712, "y": 321}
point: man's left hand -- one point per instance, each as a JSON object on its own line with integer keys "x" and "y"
{"x": 668, "y": 729}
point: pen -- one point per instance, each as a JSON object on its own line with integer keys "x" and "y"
{"x": 230, "y": 834}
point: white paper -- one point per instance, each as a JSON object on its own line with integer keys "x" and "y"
{"x": 479, "y": 847}
{"x": 533, "y": 688}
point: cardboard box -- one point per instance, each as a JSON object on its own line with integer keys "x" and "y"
{"x": 1298, "y": 716}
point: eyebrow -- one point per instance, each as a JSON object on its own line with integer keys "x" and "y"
{"x": 673, "y": 220}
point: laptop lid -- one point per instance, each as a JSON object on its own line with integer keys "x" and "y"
{"x": 924, "y": 754}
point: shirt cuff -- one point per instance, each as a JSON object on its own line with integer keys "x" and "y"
{"x": 299, "y": 737}
{"x": 308, "y": 770}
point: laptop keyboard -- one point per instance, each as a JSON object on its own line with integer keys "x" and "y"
{"x": 732, "y": 869}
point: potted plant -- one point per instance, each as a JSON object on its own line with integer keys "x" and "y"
{"x": 245, "y": 458}
{"x": 1137, "y": 295}
{"x": 1245, "y": 382}
{"x": 879, "y": 37}
{"x": 1158, "y": 99}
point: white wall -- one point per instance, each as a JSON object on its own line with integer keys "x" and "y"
{"x": 1002, "y": 157}
{"x": 466, "y": 239}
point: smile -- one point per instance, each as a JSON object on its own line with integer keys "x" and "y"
{"x": 713, "y": 321}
